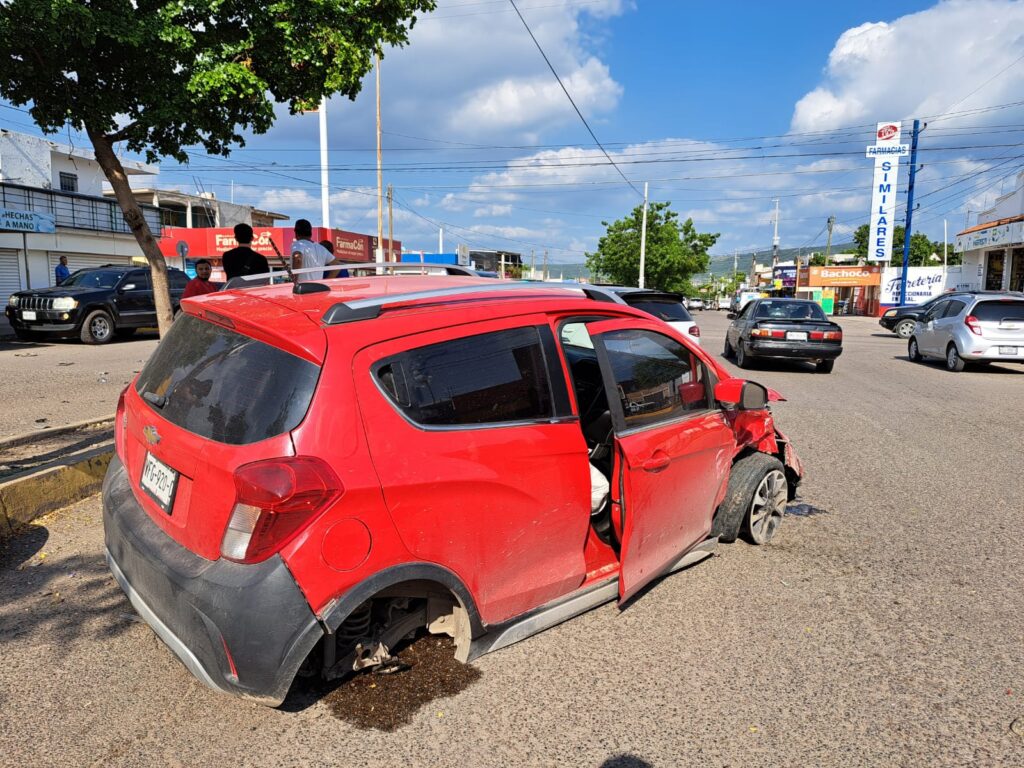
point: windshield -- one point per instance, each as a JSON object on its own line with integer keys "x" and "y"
{"x": 94, "y": 278}
{"x": 790, "y": 310}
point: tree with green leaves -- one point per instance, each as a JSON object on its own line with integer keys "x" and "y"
{"x": 165, "y": 75}
{"x": 922, "y": 248}
{"x": 675, "y": 251}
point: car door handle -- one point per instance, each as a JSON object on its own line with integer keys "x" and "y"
{"x": 658, "y": 461}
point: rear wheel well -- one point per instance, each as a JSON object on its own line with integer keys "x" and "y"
{"x": 376, "y": 628}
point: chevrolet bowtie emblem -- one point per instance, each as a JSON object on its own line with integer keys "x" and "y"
{"x": 151, "y": 435}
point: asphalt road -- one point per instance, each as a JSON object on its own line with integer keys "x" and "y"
{"x": 883, "y": 627}
{"x": 50, "y": 384}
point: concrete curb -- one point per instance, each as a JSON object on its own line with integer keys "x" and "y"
{"x": 41, "y": 434}
{"x": 24, "y": 499}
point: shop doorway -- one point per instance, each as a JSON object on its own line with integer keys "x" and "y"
{"x": 994, "y": 270}
{"x": 1017, "y": 270}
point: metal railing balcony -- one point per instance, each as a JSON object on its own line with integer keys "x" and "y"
{"x": 73, "y": 210}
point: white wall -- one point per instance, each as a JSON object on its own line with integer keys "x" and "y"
{"x": 118, "y": 249}
{"x": 90, "y": 175}
{"x": 24, "y": 160}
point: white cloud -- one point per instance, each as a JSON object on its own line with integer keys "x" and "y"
{"x": 920, "y": 64}
{"x": 492, "y": 210}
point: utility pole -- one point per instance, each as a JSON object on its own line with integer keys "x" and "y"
{"x": 325, "y": 187}
{"x": 775, "y": 237}
{"x": 533, "y": 264}
{"x": 735, "y": 264}
{"x": 643, "y": 240}
{"x": 440, "y": 239}
{"x": 544, "y": 269}
{"x": 391, "y": 226}
{"x": 945, "y": 237}
{"x": 907, "y": 231}
{"x": 380, "y": 175}
{"x": 828, "y": 243}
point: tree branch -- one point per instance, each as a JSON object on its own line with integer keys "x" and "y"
{"x": 122, "y": 134}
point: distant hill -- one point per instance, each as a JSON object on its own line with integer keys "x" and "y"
{"x": 721, "y": 264}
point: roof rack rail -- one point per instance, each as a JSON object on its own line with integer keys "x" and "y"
{"x": 413, "y": 267}
{"x": 368, "y": 309}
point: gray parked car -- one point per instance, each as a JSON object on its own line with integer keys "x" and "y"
{"x": 964, "y": 329}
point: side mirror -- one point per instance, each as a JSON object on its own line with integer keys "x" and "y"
{"x": 731, "y": 316}
{"x": 129, "y": 287}
{"x": 742, "y": 395}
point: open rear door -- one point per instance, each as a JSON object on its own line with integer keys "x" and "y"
{"x": 674, "y": 442}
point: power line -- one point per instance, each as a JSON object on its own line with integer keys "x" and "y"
{"x": 569, "y": 97}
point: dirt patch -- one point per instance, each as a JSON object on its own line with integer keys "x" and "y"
{"x": 386, "y": 702}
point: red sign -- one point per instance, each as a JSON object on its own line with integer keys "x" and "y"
{"x": 213, "y": 242}
{"x": 886, "y": 132}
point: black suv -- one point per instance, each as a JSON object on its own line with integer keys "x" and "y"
{"x": 92, "y": 304}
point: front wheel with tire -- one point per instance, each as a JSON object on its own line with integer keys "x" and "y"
{"x": 913, "y": 351}
{"x": 98, "y": 328}
{"x": 825, "y": 366}
{"x": 954, "y": 362}
{"x": 742, "y": 358}
{"x": 755, "y": 500}
{"x": 727, "y": 352}
{"x": 904, "y": 328}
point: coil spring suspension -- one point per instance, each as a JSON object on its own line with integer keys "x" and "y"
{"x": 356, "y": 627}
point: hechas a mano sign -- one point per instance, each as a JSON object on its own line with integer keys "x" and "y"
{"x": 26, "y": 221}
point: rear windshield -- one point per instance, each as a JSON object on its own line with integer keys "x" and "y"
{"x": 224, "y": 386}
{"x": 663, "y": 309}
{"x": 789, "y": 310}
{"x": 994, "y": 311}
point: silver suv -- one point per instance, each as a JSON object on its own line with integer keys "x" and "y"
{"x": 981, "y": 328}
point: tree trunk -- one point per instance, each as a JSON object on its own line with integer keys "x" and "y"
{"x": 115, "y": 174}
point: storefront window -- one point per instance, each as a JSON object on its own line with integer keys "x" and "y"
{"x": 994, "y": 270}
{"x": 1017, "y": 270}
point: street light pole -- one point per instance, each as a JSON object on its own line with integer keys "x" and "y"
{"x": 325, "y": 187}
{"x": 643, "y": 240}
{"x": 379, "y": 255}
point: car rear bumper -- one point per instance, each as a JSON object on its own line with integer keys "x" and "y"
{"x": 799, "y": 350}
{"x": 990, "y": 351}
{"x": 241, "y": 629}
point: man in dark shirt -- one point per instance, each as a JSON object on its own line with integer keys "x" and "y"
{"x": 243, "y": 260}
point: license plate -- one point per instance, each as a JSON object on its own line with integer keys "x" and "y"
{"x": 159, "y": 481}
{"x": 796, "y": 335}
{"x": 28, "y": 314}
{"x": 1007, "y": 350}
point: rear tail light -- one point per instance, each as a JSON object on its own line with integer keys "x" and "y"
{"x": 120, "y": 424}
{"x": 274, "y": 500}
{"x": 973, "y": 325}
{"x": 694, "y": 331}
{"x": 765, "y": 333}
{"x": 833, "y": 335}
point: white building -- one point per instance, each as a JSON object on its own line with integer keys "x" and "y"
{"x": 993, "y": 249}
{"x": 181, "y": 209}
{"x": 66, "y": 183}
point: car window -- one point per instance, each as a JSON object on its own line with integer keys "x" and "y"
{"x": 954, "y": 308}
{"x": 664, "y": 309}
{"x": 789, "y": 310}
{"x": 997, "y": 311}
{"x": 935, "y": 310}
{"x": 94, "y": 278}
{"x": 139, "y": 279}
{"x": 224, "y": 386}
{"x": 486, "y": 378}
{"x": 178, "y": 280}
{"x": 745, "y": 312}
{"x": 658, "y": 379}
{"x": 575, "y": 334}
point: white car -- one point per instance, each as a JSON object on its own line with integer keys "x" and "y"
{"x": 695, "y": 303}
{"x": 670, "y": 307}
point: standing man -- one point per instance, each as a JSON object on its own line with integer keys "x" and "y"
{"x": 200, "y": 284}
{"x": 61, "y": 271}
{"x": 242, "y": 259}
{"x": 306, "y": 253}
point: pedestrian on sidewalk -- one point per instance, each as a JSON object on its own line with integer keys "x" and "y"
{"x": 306, "y": 253}
{"x": 242, "y": 259}
{"x": 61, "y": 271}
{"x": 200, "y": 284}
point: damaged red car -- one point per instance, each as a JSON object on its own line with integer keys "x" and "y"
{"x": 307, "y": 476}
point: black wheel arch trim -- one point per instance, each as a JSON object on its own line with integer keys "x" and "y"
{"x": 342, "y": 606}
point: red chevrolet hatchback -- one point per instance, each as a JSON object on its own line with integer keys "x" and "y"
{"x": 305, "y": 477}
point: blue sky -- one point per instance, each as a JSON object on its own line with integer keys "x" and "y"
{"x": 480, "y": 139}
